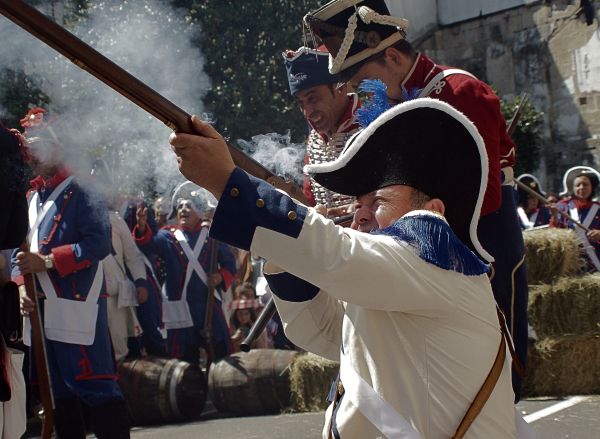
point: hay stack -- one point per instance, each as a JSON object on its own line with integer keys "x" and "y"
{"x": 310, "y": 381}
{"x": 568, "y": 365}
{"x": 550, "y": 254}
{"x": 570, "y": 306}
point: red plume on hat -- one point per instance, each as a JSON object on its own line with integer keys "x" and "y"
{"x": 37, "y": 127}
{"x": 33, "y": 118}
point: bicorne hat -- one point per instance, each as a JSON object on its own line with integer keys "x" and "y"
{"x": 533, "y": 183}
{"x": 425, "y": 144}
{"x": 578, "y": 171}
{"x": 202, "y": 200}
{"x": 307, "y": 68}
{"x": 354, "y": 30}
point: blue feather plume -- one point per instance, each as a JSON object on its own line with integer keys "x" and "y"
{"x": 435, "y": 242}
{"x": 374, "y": 101}
{"x": 409, "y": 95}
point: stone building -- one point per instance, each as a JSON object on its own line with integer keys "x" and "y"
{"x": 545, "y": 48}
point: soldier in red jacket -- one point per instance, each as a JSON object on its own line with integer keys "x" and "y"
{"x": 365, "y": 42}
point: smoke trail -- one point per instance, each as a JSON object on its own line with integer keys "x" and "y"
{"x": 277, "y": 153}
{"x": 151, "y": 41}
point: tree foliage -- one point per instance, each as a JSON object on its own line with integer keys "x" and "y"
{"x": 242, "y": 41}
{"x": 527, "y": 135}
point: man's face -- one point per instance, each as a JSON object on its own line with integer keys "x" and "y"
{"x": 322, "y": 106}
{"x": 187, "y": 215}
{"x": 582, "y": 187}
{"x": 381, "y": 208}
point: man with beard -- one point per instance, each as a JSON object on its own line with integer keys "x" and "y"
{"x": 69, "y": 234}
{"x": 365, "y": 42}
{"x": 329, "y": 112}
{"x": 186, "y": 250}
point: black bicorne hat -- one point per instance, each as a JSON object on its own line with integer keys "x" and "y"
{"x": 578, "y": 171}
{"x": 354, "y": 30}
{"x": 426, "y": 144}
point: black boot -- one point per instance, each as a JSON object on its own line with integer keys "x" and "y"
{"x": 68, "y": 419}
{"x": 111, "y": 420}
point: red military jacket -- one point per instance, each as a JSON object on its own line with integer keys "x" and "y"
{"x": 479, "y": 103}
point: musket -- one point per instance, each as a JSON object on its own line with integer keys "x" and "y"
{"x": 93, "y": 62}
{"x": 210, "y": 302}
{"x": 269, "y": 310}
{"x": 38, "y": 343}
{"x": 512, "y": 125}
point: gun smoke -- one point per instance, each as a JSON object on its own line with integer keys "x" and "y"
{"x": 152, "y": 41}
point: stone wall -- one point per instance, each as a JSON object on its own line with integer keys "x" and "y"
{"x": 547, "y": 50}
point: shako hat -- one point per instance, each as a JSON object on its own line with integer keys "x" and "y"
{"x": 533, "y": 183}
{"x": 578, "y": 171}
{"x": 307, "y": 68}
{"x": 426, "y": 144}
{"x": 353, "y": 30}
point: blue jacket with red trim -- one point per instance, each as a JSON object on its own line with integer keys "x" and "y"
{"x": 76, "y": 230}
{"x": 165, "y": 245}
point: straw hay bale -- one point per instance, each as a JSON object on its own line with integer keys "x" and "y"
{"x": 567, "y": 365}
{"x": 551, "y": 253}
{"x": 570, "y": 306}
{"x": 310, "y": 381}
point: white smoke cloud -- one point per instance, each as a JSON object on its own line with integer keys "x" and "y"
{"x": 277, "y": 153}
{"x": 150, "y": 40}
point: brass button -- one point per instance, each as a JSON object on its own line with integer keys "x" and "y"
{"x": 234, "y": 192}
{"x": 260, "y": 203}
{"x": 77, "y": 296}
{"x": 292, "y": 215}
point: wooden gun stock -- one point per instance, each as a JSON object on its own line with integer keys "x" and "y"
{"x": 38, "y": 344}
{"x": 93, "y": 62}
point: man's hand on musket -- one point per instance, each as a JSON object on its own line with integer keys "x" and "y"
{"x": 204, "y": 157}
{"x": 29, "y": 262}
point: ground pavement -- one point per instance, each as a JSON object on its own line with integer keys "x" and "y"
{"x": 551, "y": 418}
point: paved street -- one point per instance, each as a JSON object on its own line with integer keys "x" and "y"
{"x": 581, "y": 421}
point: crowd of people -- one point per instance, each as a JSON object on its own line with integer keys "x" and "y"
{"x": 405, "y": 296}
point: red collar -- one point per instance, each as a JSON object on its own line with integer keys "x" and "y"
{"x": 422, "y": 71}
{"x": 195, "y": 229}
{"x": 582, "y": 204}
{"x": 39, "y": 182}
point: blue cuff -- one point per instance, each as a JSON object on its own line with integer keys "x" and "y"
{"x": 288, "y": 287}
{"x": 247, "y": 203}
{"x": 141, "y": 282}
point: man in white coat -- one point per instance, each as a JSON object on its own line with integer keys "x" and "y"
{"x": 407, "y": 309}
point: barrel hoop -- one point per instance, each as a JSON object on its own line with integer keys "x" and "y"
{"x": 173, "y": 388}
{"x": 163, "y": 402}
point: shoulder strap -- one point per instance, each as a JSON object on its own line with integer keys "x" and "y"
{"x": 490, "y": 381}
{"x": 437, "y": 78}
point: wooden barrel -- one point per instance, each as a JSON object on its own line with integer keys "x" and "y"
{"x": 160, "y": 390}
{"x": 252, "y": 383}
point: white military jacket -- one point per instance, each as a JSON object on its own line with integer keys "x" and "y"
{"x": 415, "y": 341}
